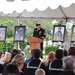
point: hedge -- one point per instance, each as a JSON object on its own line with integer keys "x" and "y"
{"x": 49, "y": 48}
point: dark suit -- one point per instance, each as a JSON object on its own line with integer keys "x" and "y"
{"x": 39, "y": 34}
{"x": 68, "y": 73}
{"x": 33, "y": 65}
{"x": 57, "y": 64}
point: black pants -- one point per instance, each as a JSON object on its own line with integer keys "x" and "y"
{"x": 41, "y": 47}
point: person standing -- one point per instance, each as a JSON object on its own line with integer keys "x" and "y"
{"x": 39, "y": 33}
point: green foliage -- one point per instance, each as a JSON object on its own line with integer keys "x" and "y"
{"x": 22, "y": 45}
{"x": 2, "y": 46}
{"x": 69, "y": 28}
{"x": 9, "y": 32}
{"x": 9, "y": 45}
{"x": 9, "y": 40}
{"x": 47, "y": 37}
{"x": 49, "y": 48}
{"x": 28, "y": 32}
{"x": 47, "y": 25}
{"x": 8, "y": 21}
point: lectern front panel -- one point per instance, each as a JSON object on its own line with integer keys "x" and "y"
{"x": 34, "y": 46}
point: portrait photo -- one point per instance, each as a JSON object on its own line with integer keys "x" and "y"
{"x": 3, "y": 33}
{"x": 73, "y": 34}
{"x": 58, "y": 33}
{"x": 19, "y": 33}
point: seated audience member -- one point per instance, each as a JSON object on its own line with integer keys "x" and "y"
{"x": 39, "y": 72}
{"x": 1, "y": 68}
{"x": 1, "y": 54}
{"x": 10, "y": 69}
{"x": 14, "y": 52}
{"x": 71, "y": 51}
{"x": 6, "y": 58}
{"x": 65, "y": 53}
{"x": 57, "y": 63}
{"x": 19, "y": 61}
{"x": 35, "y": 63}
{"x": 68, "y": 66}
{"x": 51, "y": 57}
{"x": 29, "y": 59}
{"x": 24, "y": 66}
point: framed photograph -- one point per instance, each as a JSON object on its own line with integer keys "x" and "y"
{"x": 58, "y": 33}
{"x": 19, "y": 33}
{"x": 73, "y": 34}
{"x": 3, "y": 33}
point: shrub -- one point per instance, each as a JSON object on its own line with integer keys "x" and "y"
{"x": 2, "y": 46}
{"x": 49, "y": 48}
{"x": 9, "y": 32}
{"x": 9, "y": 43}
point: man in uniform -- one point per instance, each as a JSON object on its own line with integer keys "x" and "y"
{"x": 39, "y": 33}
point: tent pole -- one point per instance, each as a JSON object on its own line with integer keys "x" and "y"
{"x": 63, "y": 13}
{"x": 66, "y": 19}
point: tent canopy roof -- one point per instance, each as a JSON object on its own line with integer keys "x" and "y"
{"x": 61, "y": 12}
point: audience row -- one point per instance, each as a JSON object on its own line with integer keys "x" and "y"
{"x": 60, "y": 62}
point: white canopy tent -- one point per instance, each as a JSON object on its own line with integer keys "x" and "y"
{"x": 61, "y": 13}
{"x": 2, "y": 14}
{"x": 14, "y": 14}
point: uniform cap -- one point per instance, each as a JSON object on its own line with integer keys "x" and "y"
{"x": 37, "y": 24}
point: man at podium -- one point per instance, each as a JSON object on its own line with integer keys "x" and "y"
{"x": 39, "y": 33}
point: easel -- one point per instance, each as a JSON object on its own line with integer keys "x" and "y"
{"x": 59, "y": 44}
{"x": 16, "y": 45}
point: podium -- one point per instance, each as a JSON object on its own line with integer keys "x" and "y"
{"x": 34, "y": 42}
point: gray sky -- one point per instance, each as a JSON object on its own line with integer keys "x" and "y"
{"x": 19, "y": 6}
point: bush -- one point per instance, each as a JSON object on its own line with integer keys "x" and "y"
{"x": 49, "y": 48}
{"x": 2, "y": 46}
{"x": 9, "y": 43}
{"x": 9, "y": 33}
{"x": 22, "y": 45}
